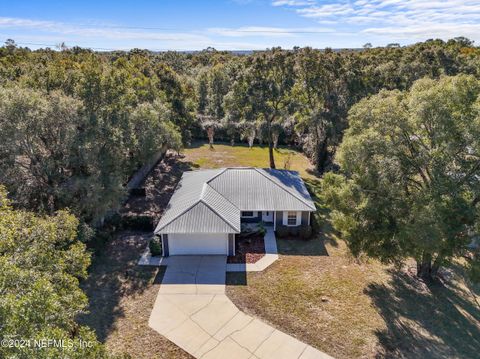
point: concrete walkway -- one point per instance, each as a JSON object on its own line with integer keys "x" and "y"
{"x": 193, "y": 311}
{"x": 271, "y": 255}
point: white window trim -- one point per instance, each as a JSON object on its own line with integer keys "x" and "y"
{"x": 285, "y": 219}
{"x": 254, "y": 214}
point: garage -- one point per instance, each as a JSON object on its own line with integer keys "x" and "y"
{"x": 198, "y": 243}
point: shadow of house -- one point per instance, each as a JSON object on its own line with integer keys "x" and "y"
{"x": 114, "y": 274}
{"x": 236, "y": 278}
{"x": 423, "y": 321}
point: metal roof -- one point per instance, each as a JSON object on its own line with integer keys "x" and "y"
{"x": 210, "y": 201}
{"x": 200, "y": 218}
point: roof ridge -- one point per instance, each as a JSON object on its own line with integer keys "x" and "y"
{"x": 285, "y": 188}
{"x": 218, "y": 214}
{"x": 221, "y": 195}
{"x": 218, "y": 174}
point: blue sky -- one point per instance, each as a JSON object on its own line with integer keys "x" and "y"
{"x": 235, "y": 24}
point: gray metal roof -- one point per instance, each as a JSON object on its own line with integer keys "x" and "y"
{"x": 210, "y": 201}
{"x": 200, "y": 219}
{"x": 256, "y": 189}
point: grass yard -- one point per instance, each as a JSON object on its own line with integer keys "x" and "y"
{"x": 240, "y": 155}
{"x": 352, "y": 308}
{"x": 316, "y": 292}
{"x": 346, "y": 307}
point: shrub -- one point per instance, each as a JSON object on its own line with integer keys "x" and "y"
{"x": 282, "y": 231}
{"x": 113, "y": 220}
{"x": 143, "y": 223}
{"x": 155, "y": 246}
{"x": 305, "y": 232}
{"x": 293, "y": 231}
{"x": 261, "y": 229}
{"x": 315, "y": 222}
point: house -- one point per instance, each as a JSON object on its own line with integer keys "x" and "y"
{"x": 208, "y": 207}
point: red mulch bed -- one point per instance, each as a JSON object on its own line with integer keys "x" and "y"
{"x": 247, "y": 250}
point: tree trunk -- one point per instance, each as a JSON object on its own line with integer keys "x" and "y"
{"x": 322, "y": 156}
{"x": 270, "y": 143}
{"x": 426, "y": 269}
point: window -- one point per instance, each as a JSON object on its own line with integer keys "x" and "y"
{"x": 247, "y": 214}
{"x": 292, "y": 218}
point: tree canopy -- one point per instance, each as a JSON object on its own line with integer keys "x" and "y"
{"x": 410, "y": 184}
{"x": 41, "y": 262}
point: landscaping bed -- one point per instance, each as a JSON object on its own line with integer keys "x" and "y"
{"x": 248, "y": 249}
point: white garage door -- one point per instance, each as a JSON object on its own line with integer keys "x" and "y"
{"x": 201, "y": 243}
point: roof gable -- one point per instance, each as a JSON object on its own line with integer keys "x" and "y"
{"x": 200, "y": 218}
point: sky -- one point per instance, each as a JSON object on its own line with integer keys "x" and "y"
{"x": 235, "y": 24}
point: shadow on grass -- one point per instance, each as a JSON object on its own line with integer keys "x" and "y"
{"x": 299, "y": 247}
{"x": 236, "y": 278}
{"x": 114, "y": 275}
{"x": 426, "y": 321}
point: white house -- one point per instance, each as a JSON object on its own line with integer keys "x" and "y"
{"x": 208, "y": 206}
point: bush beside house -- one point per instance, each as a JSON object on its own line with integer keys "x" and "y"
{"x": 155, "y": 246}
{"x": 303, "y": 231}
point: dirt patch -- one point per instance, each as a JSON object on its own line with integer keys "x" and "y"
{"x": 121, "y": 296}
{"x": 121, "y": 293}
{"x": 159, "y": 186}
{"x": 248, "y": 250}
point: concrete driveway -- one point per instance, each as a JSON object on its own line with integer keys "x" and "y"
{"x": 193, "y": 311}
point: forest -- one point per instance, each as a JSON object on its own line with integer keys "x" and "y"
{"x": 75, "y": 124}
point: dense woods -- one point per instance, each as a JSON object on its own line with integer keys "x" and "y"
{"x": 76, "y": 124}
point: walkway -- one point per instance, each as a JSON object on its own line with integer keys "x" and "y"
{"x": 193, "y": 311}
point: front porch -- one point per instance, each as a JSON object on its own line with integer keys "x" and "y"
{"x": 267, "y": 217}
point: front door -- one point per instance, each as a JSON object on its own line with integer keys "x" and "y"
{"x": 267, "y": 216}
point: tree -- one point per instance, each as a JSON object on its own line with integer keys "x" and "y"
{"x": 248, "y": 132}
{"x": 41, "y": 262}
{"x": 410, "y": 163}
{"x": 210, "y": 125}
{"x": 269, "y": 80}
{"x": 56, "y": 153}
{"x": 38, "y": 135}
{"x": 217, "y": 89}
{"x": 316, "y": 97}
{"x": 202, "y": 93}
{"x": 277, "y": 129}
{"x": 153, "y": 131}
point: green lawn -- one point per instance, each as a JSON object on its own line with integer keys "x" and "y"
{"x": 225, "y": 155}
{"x": 347, "y": 307}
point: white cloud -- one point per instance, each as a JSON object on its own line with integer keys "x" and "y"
{"x": 267, "y": 31}
{"x": 40, "y": 33}
{"x": 292, "y": 2}
{"x": 107, "y": 32}
{"x": 401, "y": 19}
